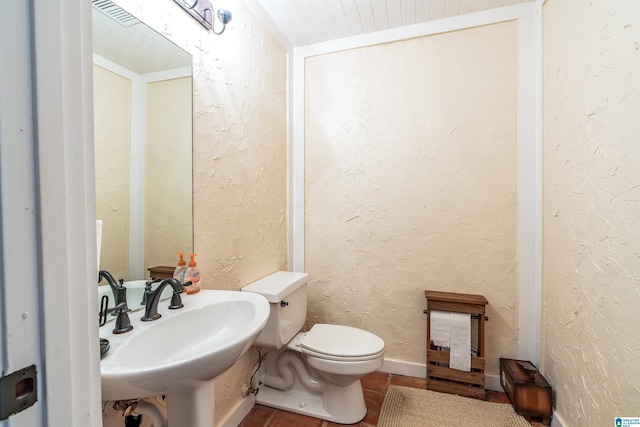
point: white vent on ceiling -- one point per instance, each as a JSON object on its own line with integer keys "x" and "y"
{"x": 115, "y": 12}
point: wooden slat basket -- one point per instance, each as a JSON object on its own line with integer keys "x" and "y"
{"x": 440, "y": 377}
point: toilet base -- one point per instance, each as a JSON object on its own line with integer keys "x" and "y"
{"x": 338, "y": 404}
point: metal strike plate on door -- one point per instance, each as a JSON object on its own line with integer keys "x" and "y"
{"x": 18, "y": 391}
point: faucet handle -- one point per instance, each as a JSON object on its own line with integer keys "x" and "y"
{"x": 123, "y": 323}
{"x": 176, "y": 301}
{"x": 102, "y": 314}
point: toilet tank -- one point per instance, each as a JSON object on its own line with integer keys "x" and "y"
{"x": 287, "y": 295}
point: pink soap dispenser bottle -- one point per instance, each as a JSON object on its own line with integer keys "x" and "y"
{"x": 192, "y": 275}
{"x": 181, "y": 269}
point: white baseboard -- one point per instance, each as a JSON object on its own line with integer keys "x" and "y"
{"x": 558, "y": 421}
{"x": 408, "y": 369}
{"x": 237, "y": 414}
{"x": 492, "y": 382}
{"x": 419, "y": 370}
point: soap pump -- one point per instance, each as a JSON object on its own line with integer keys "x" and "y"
{"x": 193, "y": 275}
{"x": 181, "y": 269}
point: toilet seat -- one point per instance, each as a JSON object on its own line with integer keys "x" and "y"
{"x": 341, "y": 343}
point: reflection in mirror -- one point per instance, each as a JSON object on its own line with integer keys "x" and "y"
{"x": 143, "y": 144}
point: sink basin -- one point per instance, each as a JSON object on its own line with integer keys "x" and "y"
{"x": 183, "y": 350}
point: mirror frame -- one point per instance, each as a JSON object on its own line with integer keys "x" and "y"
{"x": 137, "y": 229}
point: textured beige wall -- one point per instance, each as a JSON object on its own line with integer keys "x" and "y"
{"x": 239, "y": 118}
{"x": 592, "y": 208}
{"x": 410, "y": 184}
{"x": 112, "y": 116}
{"x": 168, "y": 204}
{"x": 240, "y": 159}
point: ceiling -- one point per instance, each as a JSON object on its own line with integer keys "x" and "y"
{"x": 303, "y": 22}
{"x": 121, "y": 38}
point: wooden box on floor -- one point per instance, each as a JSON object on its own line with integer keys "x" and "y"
{"x": 529, "y": 393}
{"x": 440, "y": 377}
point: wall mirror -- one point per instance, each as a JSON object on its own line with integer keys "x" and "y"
{"x": 143, "y": 144}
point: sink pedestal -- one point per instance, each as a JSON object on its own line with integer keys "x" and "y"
{"x": 191, "y": 407}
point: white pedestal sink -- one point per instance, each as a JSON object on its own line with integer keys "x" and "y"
{"x": 181, "y": 353}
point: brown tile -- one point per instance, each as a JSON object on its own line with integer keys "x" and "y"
{"x": 373, "y": 400}
{"x": 289, "y": 419}
{"x": 376, "y": 381}
{"x": 374, "y": 386}
{"x": 409, "y": 381}
{"x": 258, "y": 417}
{"x": 496, "y": 397}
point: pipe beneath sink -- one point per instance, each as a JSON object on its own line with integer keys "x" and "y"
{"x": 153, "y": 411}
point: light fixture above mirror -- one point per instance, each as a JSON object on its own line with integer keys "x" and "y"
{"x": 202, "y": 11}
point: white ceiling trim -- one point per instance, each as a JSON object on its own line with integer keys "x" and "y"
{"x": 419, "y": 30}
{"x": 298, "y": 23}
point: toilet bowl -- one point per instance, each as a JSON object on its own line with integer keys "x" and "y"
{"x": 342, "y": 354}
{"x": 318, "y": 372}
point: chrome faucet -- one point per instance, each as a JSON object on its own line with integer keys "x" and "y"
{"x": 153, "y": 297}
{"x": 119, "y": 291}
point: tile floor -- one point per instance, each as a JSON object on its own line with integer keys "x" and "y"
{"x": 374, "y": 386}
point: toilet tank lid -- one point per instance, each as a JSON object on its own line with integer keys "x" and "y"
{"x": 277, "y": 286}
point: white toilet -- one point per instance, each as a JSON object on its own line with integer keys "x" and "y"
{"x": 315, "y": 373}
